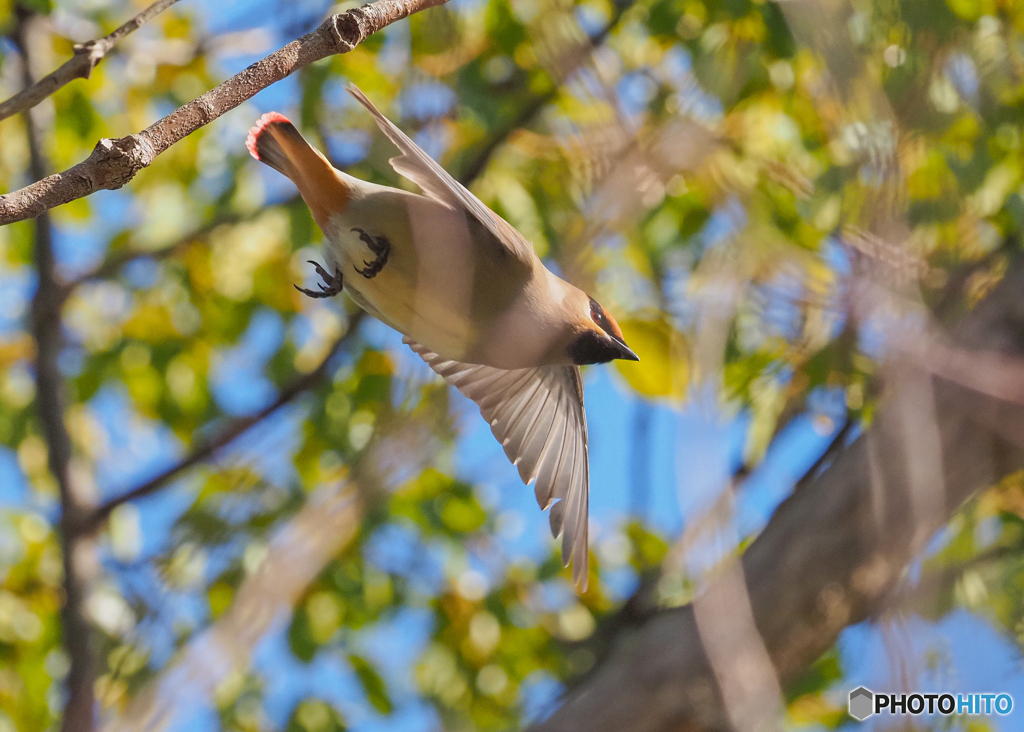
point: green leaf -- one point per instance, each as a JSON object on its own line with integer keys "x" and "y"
{"x": 461, "y": 514}
{"x": 373, "y": 685}
{"x": 663, "y": 369}
{"x": 649, "y": 549}
{"x": 315, "y": 715}
{"x": 300, "y": 637}
{"x": 39, "y": 6}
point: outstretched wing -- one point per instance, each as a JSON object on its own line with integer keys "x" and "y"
{"x": 435, "y": 181}
{"x": 537, "y": 415}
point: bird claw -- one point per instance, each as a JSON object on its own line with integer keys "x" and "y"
{"x": 333, "y": 283}
{"x": 378, "y": 245}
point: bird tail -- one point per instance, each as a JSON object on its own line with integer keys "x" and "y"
{"x": 275, "y": 141}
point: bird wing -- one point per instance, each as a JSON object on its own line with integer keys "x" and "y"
{"x": 537, "y": 415}
{"x": 435, "y": 181}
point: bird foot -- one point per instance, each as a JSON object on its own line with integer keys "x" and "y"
{"x": 381, "y": 247}
{"x": 333, "y": 283}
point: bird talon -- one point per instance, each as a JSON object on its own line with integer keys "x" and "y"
{"x": 331, "y": 285}
{"x": 322, "y": 272}
{"x": 310, "y": 293}
{"x": 378, "y": 245}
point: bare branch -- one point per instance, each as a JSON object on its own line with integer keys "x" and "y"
{"x": 324, "y": 526}
{"x": 743, "y": 671}
{"x": 116, "y": 260}
{"x": 206, "y": 448}
{"x": 297, "y": 552}
{"x": 234, "y": 430}
{"x": 79, "y": 66}
{"x": 832, "y": 553}
{"x": 46, "y": 330}
{"x": 113, "y": 163}
{"x": 478, "y": 162}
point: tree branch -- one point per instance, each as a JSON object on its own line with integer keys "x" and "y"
{"x": 832, "y": 552}
{"x": 113, "y": 163}
{"x": 296, "y": 554}
{"x": 470, "y": 172}
{"x": 116, "y": 260}
{"x": 46, "y": 330}
{"x": 79, "y": 66}
{"x": 206, "y": 448}
{"x": 479, "y": 161}
{"x": 230, "y": 433}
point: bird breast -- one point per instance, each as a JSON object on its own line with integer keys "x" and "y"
{"x": 447, "y": 283}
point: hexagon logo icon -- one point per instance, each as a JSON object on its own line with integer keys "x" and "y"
{"x": 861, "y": 703}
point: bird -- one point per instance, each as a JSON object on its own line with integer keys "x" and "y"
{"x": 471, "y": 298}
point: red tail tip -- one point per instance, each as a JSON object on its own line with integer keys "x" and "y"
{"x": 257, "y": 130}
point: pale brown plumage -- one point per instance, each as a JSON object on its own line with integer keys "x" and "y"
{"x": 472, "y": 299}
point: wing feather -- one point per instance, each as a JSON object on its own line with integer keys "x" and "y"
{"x": 508, "y": 423}
{"x": 533, "y": 442}
{"x": 538, "y": 417}
{"x": 438, "y": 184}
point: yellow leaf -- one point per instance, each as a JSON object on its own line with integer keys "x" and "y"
{"x": 664, "y": 368}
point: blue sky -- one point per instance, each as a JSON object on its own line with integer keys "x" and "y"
{"x": 691, "y": 451}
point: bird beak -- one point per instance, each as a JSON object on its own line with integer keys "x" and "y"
{"x": 625, "y": 353}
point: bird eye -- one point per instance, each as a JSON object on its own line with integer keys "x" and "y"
{"x": 604, "y": 321}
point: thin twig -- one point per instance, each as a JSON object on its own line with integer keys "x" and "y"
{"x": 296, "y": 554}
{"x": 116, "y": 260}
{"x": 470, "y": 172}
{"x": 46, "y": 330}
{"x": 230, "y": 433}
{"x": 79, "y": 66}
{"x": 206, "y": 448}
{"x": 828, "y": 558}
{"x": 113, "y": 163}
{"x": 476, "y": 165}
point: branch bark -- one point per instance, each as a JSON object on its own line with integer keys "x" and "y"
{"x": 833, "y": 552}
{"x": 476, "y": 165}
{"x": 113, "y": 163}
{"x": 47, "y": 331}
{"x": 114, "y": 261}
{"x": 80, "y": 66}
{"x": 238, "y": 427}
{"x": 297, "y": 552}
{"x": 206, "y": 448}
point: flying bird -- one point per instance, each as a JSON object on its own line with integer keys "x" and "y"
{"x": 471, "y": 298}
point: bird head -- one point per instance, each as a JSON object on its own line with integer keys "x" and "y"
{"x": 598, "y": 338}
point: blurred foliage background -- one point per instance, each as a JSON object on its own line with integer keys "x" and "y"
{"x": 717, "y": 172}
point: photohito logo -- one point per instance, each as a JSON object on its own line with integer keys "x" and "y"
{"x": 864, "y": 703}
